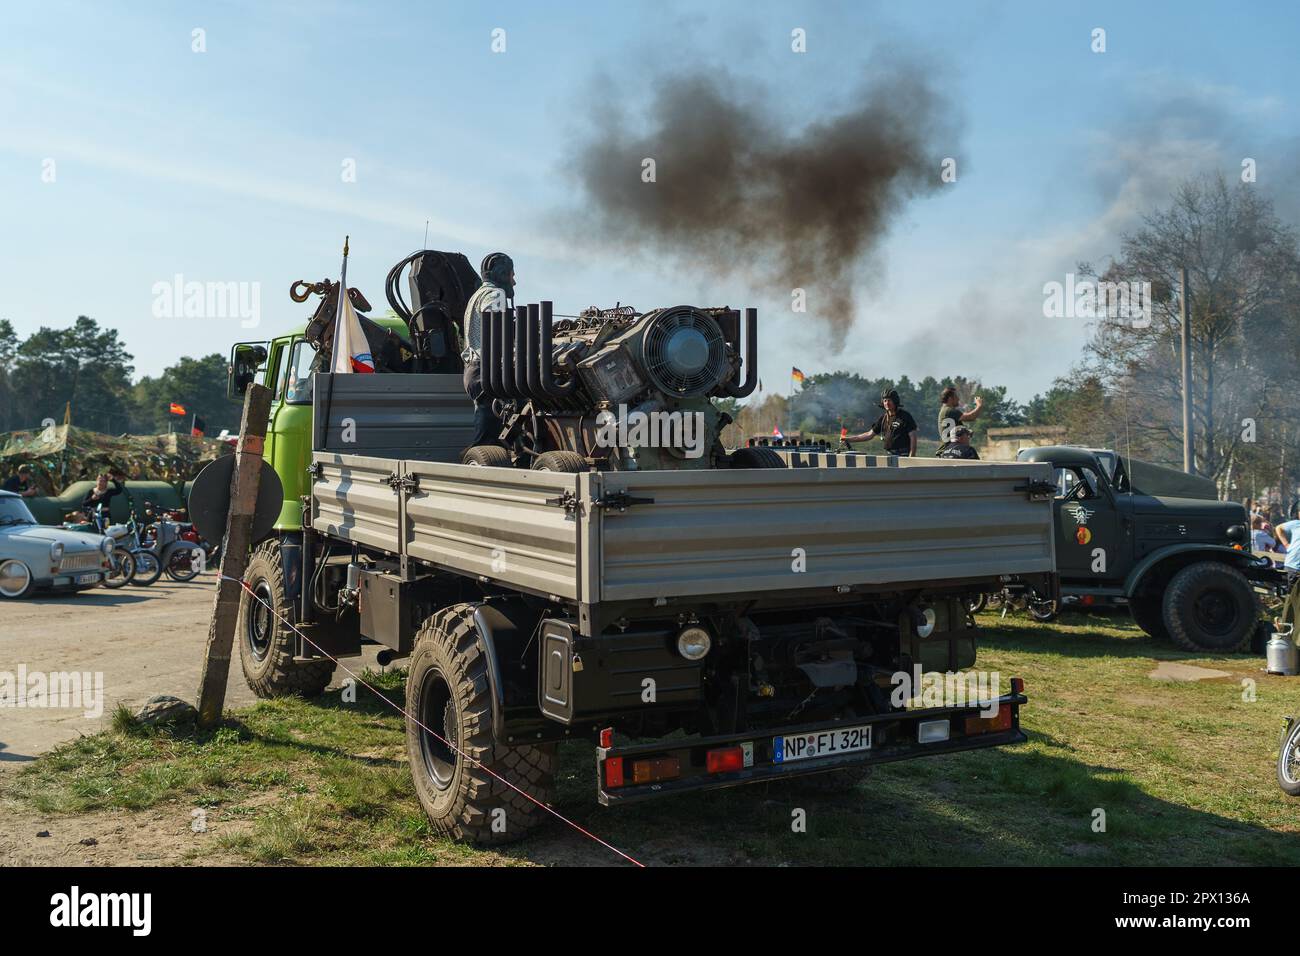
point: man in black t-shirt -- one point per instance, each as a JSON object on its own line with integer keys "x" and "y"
{"x": 20, "y": 482}
{"x": 960, "y": 446}
{"x": 896, "y": 427}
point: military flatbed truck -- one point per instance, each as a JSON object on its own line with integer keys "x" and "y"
{"x": 705, "y": 628}
{"x": 1159, "y": 539}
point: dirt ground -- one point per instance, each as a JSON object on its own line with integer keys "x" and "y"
{"x": 144, "y": 641}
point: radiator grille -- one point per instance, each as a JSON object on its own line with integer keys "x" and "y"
{"x": 84, "y": 561}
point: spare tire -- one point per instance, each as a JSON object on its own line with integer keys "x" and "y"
{"x": 1210, "y": 606}
{"x": 488, "y": 456}
{"x": 565, "y": 461}
{"x": 756, "y": 456}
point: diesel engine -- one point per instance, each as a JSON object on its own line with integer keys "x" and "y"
{"x": 615, "y": 389}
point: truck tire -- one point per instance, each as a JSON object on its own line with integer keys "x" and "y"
{"x": 565, "y": 461}
{"x": 267, "y": 644}
{"x": 1288, "y": 762}
{"x": 1210, "y": 606}
{"x": 756, "y": 456}
{"x": 447, "y": 692}
{"x": 488, "y": 456}
{"x": 1148, "y": 614}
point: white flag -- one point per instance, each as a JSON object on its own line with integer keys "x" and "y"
{"x": 351, "y": 350}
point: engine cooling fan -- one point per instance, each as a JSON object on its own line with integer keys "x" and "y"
{"x": 685, "y": 352}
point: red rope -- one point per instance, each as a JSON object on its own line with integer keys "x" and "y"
{"x": 551, "y": 810}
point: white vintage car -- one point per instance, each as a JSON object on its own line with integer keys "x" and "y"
{"x": 36, "y": 557}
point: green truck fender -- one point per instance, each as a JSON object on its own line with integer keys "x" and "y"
{"x": 1218, "y": 551}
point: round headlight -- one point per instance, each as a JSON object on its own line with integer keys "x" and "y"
{"x": 694, "y": 642}
{"x": 925, "y": 626}
{"x": 106, "y": 546}
{"x": 56, "y": 552}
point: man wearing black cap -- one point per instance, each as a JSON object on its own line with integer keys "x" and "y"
{"x": 896, "y": 427}
{"x": 960, "y": 446}
{"x": 496, "y": 294}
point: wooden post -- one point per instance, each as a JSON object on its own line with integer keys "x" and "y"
{"x": 234, "y": 554}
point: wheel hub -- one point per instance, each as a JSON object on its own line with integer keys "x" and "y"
{"x": 1216, "y": 612}
{"x": 261, "y": 627}
{"x": 438, "y": 719}
{"x": 13, "y": 578}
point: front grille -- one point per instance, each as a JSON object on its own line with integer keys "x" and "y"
{"x": 85, "y": 561}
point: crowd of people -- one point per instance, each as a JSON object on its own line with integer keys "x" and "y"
{"x": 1274, "y": 530}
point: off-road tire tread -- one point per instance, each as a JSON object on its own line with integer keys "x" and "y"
{"x": 280, "y": 675}
{"x": 1151, "y": 616}
{"x": 1185, "y": 580}
{"x": 468, "y": 819}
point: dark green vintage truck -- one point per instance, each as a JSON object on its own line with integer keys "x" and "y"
{"x": 1159, "y": 539}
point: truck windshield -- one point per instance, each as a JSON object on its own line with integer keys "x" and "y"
{"x": 14, "y": 511}
{"x": 297, "y": 387}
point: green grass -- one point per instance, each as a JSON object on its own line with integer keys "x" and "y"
{"x": 1183, "y": 773}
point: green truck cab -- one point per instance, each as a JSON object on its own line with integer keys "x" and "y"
{"x": 1159, "y": 539}
{"x": 284, "y": 365}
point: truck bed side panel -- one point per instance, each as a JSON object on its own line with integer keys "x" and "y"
{"x": 352, "y": 499}
{"x": 720, "y": 532}
{"x": 496, "y": 523}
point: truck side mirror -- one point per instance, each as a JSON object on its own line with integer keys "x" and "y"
{"x": 245, "y": 360}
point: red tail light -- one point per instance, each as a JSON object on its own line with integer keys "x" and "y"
{"x": 724, "y": 759}
{"x": 613, "y": 772}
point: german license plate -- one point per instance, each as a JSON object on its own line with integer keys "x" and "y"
{"x": 87, "y": 578}
{"x": 824, "y": 743}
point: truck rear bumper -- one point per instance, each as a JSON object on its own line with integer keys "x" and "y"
{"x": 894, "y": 737}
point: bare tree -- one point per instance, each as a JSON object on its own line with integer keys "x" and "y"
{"x": 1242, "y": 265}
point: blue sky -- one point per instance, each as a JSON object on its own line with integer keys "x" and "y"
{"x": 226, "y": 165}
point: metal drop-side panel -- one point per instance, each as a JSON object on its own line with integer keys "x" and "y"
{"x": 728, "y": 532}
{"x": 352, "y": 499}
{"x": 427, "y": 417}
{"x": 497, "y": 523}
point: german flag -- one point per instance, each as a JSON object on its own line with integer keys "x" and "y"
{"x": 199, "y": 427}
{"x": 177, "y": 409}
{"x": 796, "y": 376}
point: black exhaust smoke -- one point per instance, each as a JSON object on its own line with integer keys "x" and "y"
{"x": 737, "y": 191}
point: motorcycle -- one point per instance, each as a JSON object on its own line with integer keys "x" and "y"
{"x": 1017, "y": 597}
{"x": 131, "y": 562}
{"x": 1288, "y": 758}
{"x": 164, "y": 537}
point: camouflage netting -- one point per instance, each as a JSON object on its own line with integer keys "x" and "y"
{"x": 62, "y": 454}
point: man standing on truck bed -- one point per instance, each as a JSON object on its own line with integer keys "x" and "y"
{"x": 496, "y": 294}
{"x": 896, "y": 427}
{"x": 951, "y": 416}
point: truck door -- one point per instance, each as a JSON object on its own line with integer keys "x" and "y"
{"x": 1089, "y": 536}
